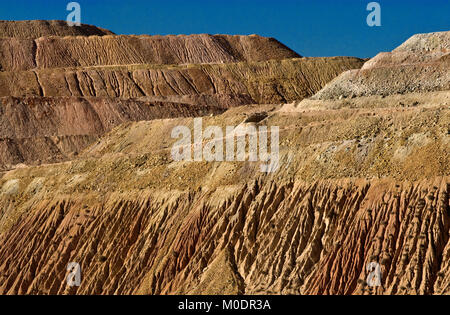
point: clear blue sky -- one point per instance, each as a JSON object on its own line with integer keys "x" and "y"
{"x": 310, "y": 27}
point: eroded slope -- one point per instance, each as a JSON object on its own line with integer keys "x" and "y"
{"x": 355, "y": 185}
{"x": 109, "y": 50}
{"x": 360, "y": 180}
{"x": 78, "y": 105}
{"x": 265, "y": 82}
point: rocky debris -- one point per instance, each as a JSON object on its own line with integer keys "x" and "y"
{"x": 421, "y": 64}
{"x": 403, "y": 143}
{"x": 256, "y": 117}
{"x": 429, "y": 42}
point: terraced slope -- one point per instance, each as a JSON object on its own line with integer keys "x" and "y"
{"x": 355, "y": 185}
{"x": 282, "y": 233}
{"x": 77, "y": 97}
{"x": 362, "y": 179}
{"x": 43, "y": 97}
{"x": 264, "y": 82}
{"x": 48, "y": 130}
{"x": 421, "y": 64}
{"x": 109, "y": 50}
{"x": 50, "y": 69}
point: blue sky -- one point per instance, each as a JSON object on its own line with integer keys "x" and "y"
{"x": 312, "y": 28}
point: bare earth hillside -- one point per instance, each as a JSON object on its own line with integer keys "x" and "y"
{"x": 363, "y": 174}
{"x": 36, "y": 29}
{"x": 357, "y": 185}
{"x": 265, "y": 82}
{"x": 81, "y": 51}
{"x": 421, "y": 64}
{"x": 63, "y": 72}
